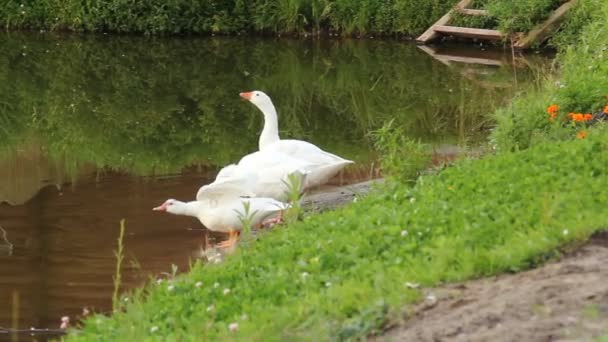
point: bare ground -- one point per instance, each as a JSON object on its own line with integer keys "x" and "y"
{"x": 565, "y": 300}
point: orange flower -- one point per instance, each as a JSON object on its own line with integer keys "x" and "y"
{"x": 552, "y": 109}
{"x": 587, "y": 117}
{"x": 581, "y": 134}
{"x": 578, "y": 117}
{"x": 606, "y": 110}
{"x": 552, "y": 116}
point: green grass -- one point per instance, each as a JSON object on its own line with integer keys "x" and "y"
{"x": 343, "y": 17}
{"x": 346, "y": 17}
{"x": 341, "y": 274}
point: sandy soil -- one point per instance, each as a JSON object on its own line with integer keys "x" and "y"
{"x": 566, "y": 300}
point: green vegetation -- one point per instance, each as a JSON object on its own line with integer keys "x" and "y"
{"x": 226, "y": 16}
{"x": 344, "y": 17}
{"x": 582, "y": 87}
{"x": 342, "y": 274}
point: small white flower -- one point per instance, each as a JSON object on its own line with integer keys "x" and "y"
{"x": 413, "y": 199}
{"x": 210, "y": 308}
{"x": 154, "y": 329}
{"x": 404, "y": 233}
{"x": 355, "y": 199}
{"x": 126, "y": 299}
{"x": 233, "y": 326}
{"x": 198, "y": 284}
{"x": 216, "y": 285}
{"x": 22, "y": 12}
{"x": 304, "y": 275}
{"x": 565, "y": 232}
{"x": 328, "y": 284}
{"x": 21, "y": 5}
{"x": 159, "y": 281}
{"x": 226, "y": 291}
{"x": 170, "y": 288}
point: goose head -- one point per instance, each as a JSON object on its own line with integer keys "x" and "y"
{"x": 259, "y": 99}
{"x": 172, "y": 206}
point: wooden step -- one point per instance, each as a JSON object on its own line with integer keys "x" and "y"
{"x": 430, "y": 34}
{"x": 469, "y": 11}
{"x": 468, "y": 32}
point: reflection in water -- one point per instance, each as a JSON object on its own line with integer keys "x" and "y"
{"x": 94, "y": 129}
{"x": 6, "y": 247}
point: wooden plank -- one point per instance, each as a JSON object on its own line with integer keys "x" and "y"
{"x": 430, "y": 34}
{"x": 469, "y": 11}
{"x": 447, "y": 57}
{"x": 540, "y": 32}
{"x": 471, "y": 60}
{"x": 469, "y": 32}
{"x": 433, "y": 53}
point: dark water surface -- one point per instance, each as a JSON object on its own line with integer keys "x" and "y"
{"x": 94, "y": 129}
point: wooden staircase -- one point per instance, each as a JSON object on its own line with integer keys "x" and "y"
{"x": 519, "y": 40}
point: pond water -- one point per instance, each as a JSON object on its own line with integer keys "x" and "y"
{"x": 94, "y": 129}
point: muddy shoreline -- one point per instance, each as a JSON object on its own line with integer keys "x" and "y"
{"x": 564, "y": 300}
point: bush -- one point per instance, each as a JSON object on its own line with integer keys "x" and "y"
{"x": 581, "y": 87}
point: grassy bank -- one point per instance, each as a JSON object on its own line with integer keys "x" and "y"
{"x": 345, "y": 274}
{"x": 345, "y": 17}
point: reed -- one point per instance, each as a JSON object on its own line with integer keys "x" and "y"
{"x": 119, "y": 254}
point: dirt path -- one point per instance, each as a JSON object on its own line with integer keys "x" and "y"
{"x": 565, "y": 300}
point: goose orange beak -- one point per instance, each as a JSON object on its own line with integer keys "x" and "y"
{"x": 247, "y": 95}
{"x": 162, "y": 207}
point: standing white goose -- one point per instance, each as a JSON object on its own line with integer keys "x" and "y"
{"x": 328, "y": 165}
{"x": 220, "y": 207}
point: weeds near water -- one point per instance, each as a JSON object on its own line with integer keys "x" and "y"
{"x": 117, "y": 273}
{"x": 15, "y": 315}
{"x": 294, "y": 184}
{"x": 402, "y": 157}
{"x": 246, "y": 217}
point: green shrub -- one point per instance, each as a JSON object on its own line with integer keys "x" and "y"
{"x": 580, "y": 87}
{"x": 520, "y": 15}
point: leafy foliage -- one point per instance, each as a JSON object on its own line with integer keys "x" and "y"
{"x": 580, "y": 87}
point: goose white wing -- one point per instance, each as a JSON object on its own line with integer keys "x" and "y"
{"x": 227, "y": 188}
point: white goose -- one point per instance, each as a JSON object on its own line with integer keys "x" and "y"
{"x": 220, "y": 207}
{"x": 327, "y": 164}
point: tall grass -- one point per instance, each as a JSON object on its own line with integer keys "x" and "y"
{"x": 226, "y": 16}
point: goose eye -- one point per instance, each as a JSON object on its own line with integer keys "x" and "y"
{"x": 257, "y": 94}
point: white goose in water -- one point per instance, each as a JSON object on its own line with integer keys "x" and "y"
{"x": 327, "y": 164}
{"x": 220, "y": 207}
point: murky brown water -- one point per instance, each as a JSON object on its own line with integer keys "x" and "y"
{"x": 164, "y": 114}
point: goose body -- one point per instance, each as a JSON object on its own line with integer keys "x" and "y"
{"x": 265, "y": 174}
{"x": 326, "y": 164}
{"x": 220, "y": 207}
